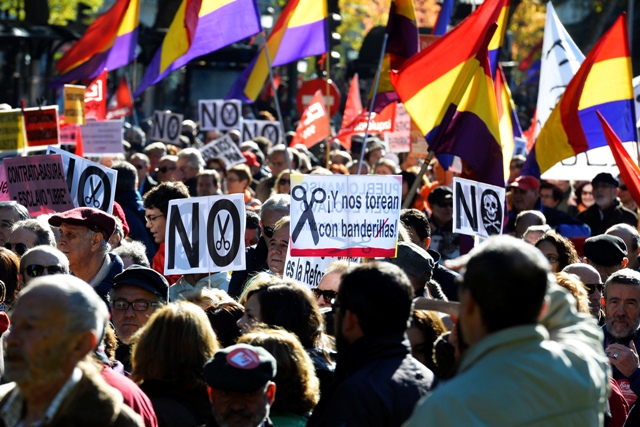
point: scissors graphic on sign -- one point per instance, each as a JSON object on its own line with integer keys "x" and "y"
{"x": 92, "y": 199}
{"x": 223, "y": 242}
{"x": 318, "y": 195}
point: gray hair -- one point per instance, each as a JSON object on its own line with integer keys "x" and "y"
{"x": 83, "y": 308}
{"x": 156, "y": 146}
{"x": 44, "y": 235}
{"x": 62, "y": 258}
{"x": 12, "y": 204}
{"x": 276, "y": 203}
{"x": 133, "y": 250}
{"x": 193, "y": 156}
{"x": 141, "y": 156}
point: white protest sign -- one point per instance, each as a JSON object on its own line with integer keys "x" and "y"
{"x": 38, "y": 183}
{"x": 102, "y": 138}
{"x": 266, "y": 128}
{"x": 220, "y": 114}
{"x": 223, "y": 148}
{"x": 584, "y": 166}
{"x": 345, "y": 215}
{"x": 478, "y": 208}
{"x": 398, "y": 142}
{"x": 310, "y": 270}
{"x": 167, "y": 126}
{"x": 205, "y": 235}
{"x": 90, "y": 184}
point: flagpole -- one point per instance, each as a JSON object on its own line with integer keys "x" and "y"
{"x": 373, "y": 98}
{"x": 275, "y": 93}
{"x": 327, "y": 146}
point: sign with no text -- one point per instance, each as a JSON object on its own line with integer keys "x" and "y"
{"x": 102, "y": 138}
{"x": 38, "y": 183}
{"x": 205, "y": 235}
{"x": 478, "y": 208}
{"x": 345, "y": 215}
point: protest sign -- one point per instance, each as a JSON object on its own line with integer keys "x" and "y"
{"x": 95, "y": 98}
{"x": 266, "y": 128}
{"x": 69, "y": 134}
{"x": 478, "y": 208}
{"x": 74, "y": 104}
{"x": 584, "y": 166}
{"x": 220, "y": 114}
{"x": 38, "y": 183}
{"x": 90, "y": 184}
{"x": 41, "y": 126}
{"x": 399, "y": 140}
{"x": 205, "y": 235}
{"x": 4, "y": 188}
{"x": 345, "y": 215}
{"x": 102, "y": 138}
{"x": 167, "y": 126}
{"x": 223, "y": 148}
{"x": 310, "y": 270}
{"x": 11, "y": 130}
{"x": 419, "y": 145}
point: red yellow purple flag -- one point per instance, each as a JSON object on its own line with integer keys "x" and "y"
{"x": 602, "y": 83}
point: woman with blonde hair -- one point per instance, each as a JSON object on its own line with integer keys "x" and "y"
{"x": 168, "y": 358}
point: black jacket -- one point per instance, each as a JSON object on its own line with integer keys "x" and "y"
{"x": 600, "y": 221}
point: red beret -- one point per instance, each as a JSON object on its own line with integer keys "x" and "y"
{"x": 91, "y": 218}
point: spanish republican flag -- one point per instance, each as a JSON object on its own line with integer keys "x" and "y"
{"x": 498, "y": 37}
{"x": 301, "y": 31}
{"x": 201, "y": 27}
{"x": 508, "y": 121}
{"x": 109, "y": 43}
{"x": 602, "y": 83}
{"x": 448, "y": 92}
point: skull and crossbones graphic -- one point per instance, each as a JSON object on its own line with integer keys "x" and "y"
{"x": 491, "y": 210}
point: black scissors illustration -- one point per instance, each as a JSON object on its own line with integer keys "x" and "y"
{"x": 318, "y": 195}
{"x": 92, "y": 199}
{"x": 223, "y": 242}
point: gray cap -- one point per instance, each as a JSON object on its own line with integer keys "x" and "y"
{"x": 413, "y": 260}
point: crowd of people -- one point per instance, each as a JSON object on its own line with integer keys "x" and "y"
{"x": 539, "y": 326}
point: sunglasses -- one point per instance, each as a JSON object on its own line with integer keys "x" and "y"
{"x": 166, "y": 169}
{"x": 285, "y": 182}
{"x": 327, "y": 295}
{"x": 623, "y": 188}
{"x": 139, "y": 167}
{"x": 36, "y": 270}
{"x": 19, "y": 248}
{"x": 268, "y": 231}
{"x": 591, "y": 287}
{"x": 445, "y": 204}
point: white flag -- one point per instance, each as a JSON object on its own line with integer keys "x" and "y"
{"x": 560, "y": 60}
{"x": 636, "y": 97}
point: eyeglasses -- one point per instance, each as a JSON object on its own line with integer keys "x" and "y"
{"x": 19, "y": 248}
{"x": 136, "y": 306}
{"x": 285, "y": 182}
{"x": 591, "y": 287}
{"x": 151, "y": 218}
{"x": 268, "y": 231}
{"x": 335, "y": 305}
{"x": 165, "y": 169}
{"x": 327, "y": 295}
{"x": 551, "y": 258}
{"x": 36, "y": 270}
{"x": 623, "y": 188}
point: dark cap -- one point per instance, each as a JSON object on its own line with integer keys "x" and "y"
{"x": 413, "y": 260}
{"x": 605, "y": 178}
{"x": 526, "y": 182}
{"x": 91, "y": 218}
{"x": 440, "y": 194}
{"x": 241, "y": 367}
{"x": 605, "y": 250}
{"x": 144, "y": 278}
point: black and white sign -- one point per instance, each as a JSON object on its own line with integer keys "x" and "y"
{"x": 205, "y": 235}
{"x": 220, "y": 114}
{"x": 478, "y": 208}
{"x": 223, "y": 148}
{"x": 167, "y": 126}
{"x": 90, "y": 184}
{"x": 266, "y": 128}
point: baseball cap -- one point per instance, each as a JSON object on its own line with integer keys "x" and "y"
{"x": 91, "y": 218}
{"x": 144, "y": 278}
{"x": 605, "y": 250}
{"x": 241, "y": 367}
{"x": 413, "y": 260}
{"x": 526, "y": 182}
{"x": 440, "y": 194}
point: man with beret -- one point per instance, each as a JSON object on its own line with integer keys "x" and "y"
{"x": 606, "y": 253}
{"x": 84, "y": 237}
{"x": 607, "y": 209}
{"x": 443, "y": 239}
{"x": 240, "y": 386}
{"x": 136, "y": 294}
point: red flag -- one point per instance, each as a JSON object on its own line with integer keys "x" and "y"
{"x": 629, "y": 171}
{"x": 121, "y": 103}
{"x": 314, "y": 123}
{"x": 380, "y": 123}
{"x": 95, "y": 98}
{"x": 353, "y": 106}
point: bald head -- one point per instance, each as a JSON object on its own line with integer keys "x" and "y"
{"x": 526, "y": 219}
{"x": 631, "y": 238}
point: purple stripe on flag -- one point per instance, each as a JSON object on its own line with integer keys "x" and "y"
{"x": 403, "y": 35}
{"x": 222, "y": 27}
{"x": 300, "y": 42}
{"x": 383, "y": 99}
{"x": 237, "y": 90}
{"x": 123, "y": 51}
{"x": 619, "y": 114}
{"x": 493, "y": 60}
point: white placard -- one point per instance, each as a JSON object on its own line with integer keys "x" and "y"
{"x": 398, "y": 142}
{"x": 90, "y": 184}
{"x": 309, "y": 270}
{"x": 267, "y": 128}
{"x": 345, "y": 215}
{"x": 220, "y": 114}
{"x": 102, "y": 138}
{"x": 478, "y": 208}
{"x": 205, "y": 235}
{"x": 223, "y": 148}
{"x": 167, "y": 126}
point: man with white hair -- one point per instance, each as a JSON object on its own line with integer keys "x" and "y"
{"x": 57, "y": 323}
{"x": 189, "y": 164}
